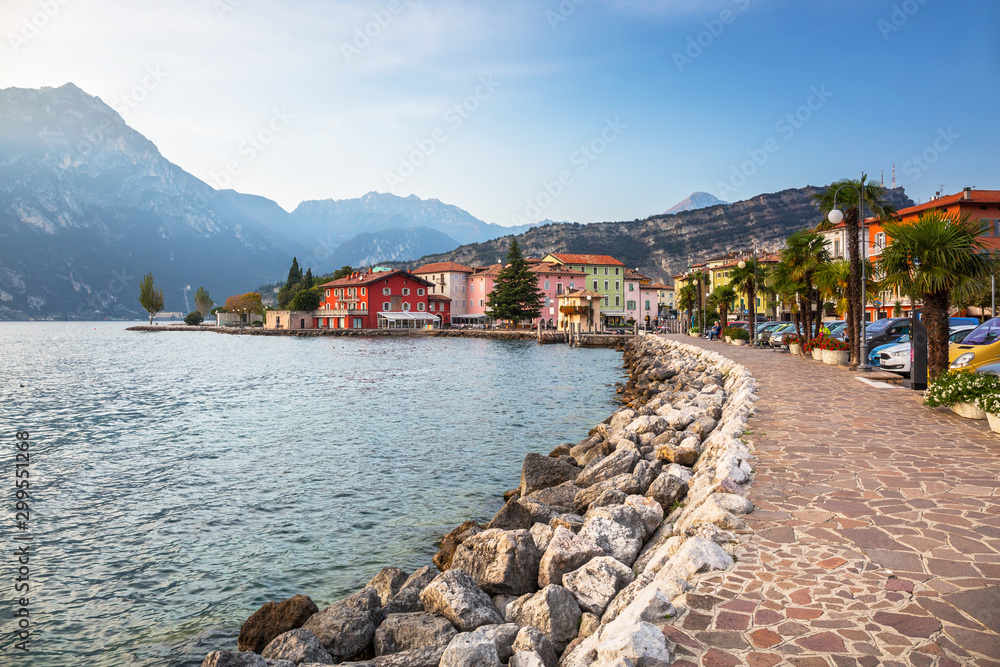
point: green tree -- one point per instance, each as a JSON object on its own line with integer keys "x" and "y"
{"x": 746, "y": 279}
{"x": 515, "y": 294}
{"x": 804, "y": 254}
{"x": 150, "y": 296}
{"x": 307, "y": 280}
{"x": 342, "y": 272}
{"x": 294, "y": 273}
{"x": 686, "y": 300}
{"x": 854, "y": 197}
{"x": 722, "y": 297}
{"x": 699, "y": 279}
{"x": 245, "y": 305}
{"x": 305, "y": 299}
{"x": 934, "y": 257}
{"x": 194, "y": 318}
{"x": 203, "y": 302}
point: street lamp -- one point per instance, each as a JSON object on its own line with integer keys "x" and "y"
{"x": 753, "y": 300}
{"x": 836, "y": 216}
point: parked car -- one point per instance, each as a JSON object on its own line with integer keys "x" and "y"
{"x": 764, "y": 331}
{"x": 894, "y": 329}
{"x": 778, "y": 336}
{"x": 887, "y": 356}
{"x": 896, "y": 358}
{"x": 980, "y": 346}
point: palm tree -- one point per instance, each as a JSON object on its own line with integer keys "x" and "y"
{"x": 804, "y": 254}
{"x": 934, "y": 257}
{"x": 722, "y": 297}
{"x": 700, "y": 281}
{"x": 746, "y": 276}
{"x": 853, "y": 196}
{"x": 686, "y": 300}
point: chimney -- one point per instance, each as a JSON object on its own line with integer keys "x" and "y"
{"x": 967, "y": 194}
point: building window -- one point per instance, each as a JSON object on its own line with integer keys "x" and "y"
{"x": 406, "y": 306}
{"x": 647, "y": 305}
{"x": 618, "y": 285}
{"x": 546, "y": 284}
{"x": 595, "y": 270}
{"x": 605, "y": 270}
{"x": 605, "y": 301}
{"x": 463, "y": 289}
{"x": 364, "y": 291}
{"x": 420, "y": 291}
{"x": 420, "y": 306}
{"x": 386, "y": 305}
{"x": 606, "y": 288}
{"x": 880, "y": 241}
{"x": 386, "y": 291}
{"x": 630, "y": 305}
{"x": 618, "y": 300}
{"x": 616, "y": 270}
{"x": 595, "y": 284}
{"x": 631, "y": 287}
{"x": 572, "y": 284}
{"x": 559, "y": 288}
{"x": 406, "y": 291}
{"x": 480, "y": 303}
{"x": 328, "y": 294}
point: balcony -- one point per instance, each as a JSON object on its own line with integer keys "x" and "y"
{"x": 341, "y": 312}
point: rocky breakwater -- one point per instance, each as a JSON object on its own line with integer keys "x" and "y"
{"x": 587, "y": 559}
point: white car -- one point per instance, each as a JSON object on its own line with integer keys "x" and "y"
{"x": 897, "y": 357}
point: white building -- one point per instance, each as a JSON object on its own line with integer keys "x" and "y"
{"x": 450, "y": 280}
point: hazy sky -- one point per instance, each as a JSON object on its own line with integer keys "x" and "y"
{"x": 580, "y": 110}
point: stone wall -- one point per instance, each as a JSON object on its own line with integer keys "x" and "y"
{"x": 600, "y": 541}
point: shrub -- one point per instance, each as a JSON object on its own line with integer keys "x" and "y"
{"x": 194, "y": 318}
{"x": 793, "y": 339}
{"x": 835, "y": 344}
{"x": 740, "y": 334}
{"x": 960, "y": 386}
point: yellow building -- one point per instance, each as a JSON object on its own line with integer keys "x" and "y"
{"x": 582, "y": 308}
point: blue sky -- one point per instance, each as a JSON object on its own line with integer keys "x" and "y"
{"x": 581, "y": 110}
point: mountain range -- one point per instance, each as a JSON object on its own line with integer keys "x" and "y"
{"x": 695, "y": 201}
{"x": 664, "y": 245}
{"x": 88, "y": 205}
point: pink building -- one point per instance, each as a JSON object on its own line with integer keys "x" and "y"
{"x": 479, "y": 285}
{"x": 554, "y": 280}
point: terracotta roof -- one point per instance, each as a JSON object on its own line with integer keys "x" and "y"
{"x": 632, "y": 274}
{"x": 443, "y": 267}
{"x": 357, "y": 279}
{"x": 581, "y": 293}
{"x": 548, "y": 267}
{"x": 586, "y": 259}
{"x": 658, "y": 286}
{"x": 976, "y": 197}
{"x": 491, "y": 270}
{"x": 438, "y": 297}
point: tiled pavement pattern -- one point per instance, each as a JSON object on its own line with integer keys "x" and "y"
{"x": 877, "y": 540}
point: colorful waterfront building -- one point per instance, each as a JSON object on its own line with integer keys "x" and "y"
{"x": 554, "y": 280}
{"x": 440, "y": 305}
{"x": 384, "y": 300}
{"x": 581, "y": 308}
{"x": 605, "y": 275}
{"x": 449, "y": 279}
{"x": 480, "y": 284}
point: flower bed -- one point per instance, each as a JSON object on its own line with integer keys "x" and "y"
{"x": 961, "y": 390}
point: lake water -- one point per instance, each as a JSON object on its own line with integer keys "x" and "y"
{"x": 181, "y": 480}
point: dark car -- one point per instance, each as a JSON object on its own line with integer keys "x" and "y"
{"x": 764, "y": 330}
{"x": 889, "y": 330}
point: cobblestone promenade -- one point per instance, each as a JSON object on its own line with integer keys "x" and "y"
{"x": 877, "y": 539}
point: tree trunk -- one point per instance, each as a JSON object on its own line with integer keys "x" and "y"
{"x": 936, "y": 321}
{"x": 854, "y": 283}
{"x": 753, "y": 313}
{"x": 150, "y": 319}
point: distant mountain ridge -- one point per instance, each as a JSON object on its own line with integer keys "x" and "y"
{"x": 695, "y": 201}
{"x": 661, "y": 245}
{"x": 88, "y": 205}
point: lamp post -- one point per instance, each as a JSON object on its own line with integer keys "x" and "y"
{"x": 753, "y": 299}
{"x": 836, "y": 216}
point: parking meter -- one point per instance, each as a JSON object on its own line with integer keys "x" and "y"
{"x": 918, "y": 354}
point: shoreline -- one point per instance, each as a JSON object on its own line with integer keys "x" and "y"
{"x": 661, "y": 484}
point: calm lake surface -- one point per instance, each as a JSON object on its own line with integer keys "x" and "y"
{"x": 181, "y": 480}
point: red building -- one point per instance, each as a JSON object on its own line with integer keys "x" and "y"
{"x": 383, "y": 300}
{"x": 440, "y": 305}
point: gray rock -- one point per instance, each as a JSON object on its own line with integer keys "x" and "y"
{"x": 527, "y": 659}
{"x": 683, "y": 454}
{"x": 599, "y": 451}
{"x": 501, "y": 602}
{"x": 282, "y": 663}
{"x": 667, "y": 490}
{"x": 617, "y": 529}
{"x": 622, "y": 418}
{"x": 552, "y": 611}
{"x": 622, "y": 461}
{"x": 450, "y": 542}
{"x": 627, "y": 483}
{"x": 401, "y": 632}
{"x": 502, "y": 562}
{"x": 650, "y": 512}
{"x": 636, "y": 642}
{"x": 531, "y": 640}
{"x": 541, "y": 472}
{"x": 644, "y": 473}
{"x": 469, "y": 650}
{"x": 346, "y": 628}
{"x": 233, "y": 659}
{"x": 456, "y": 596}
{"x": 417, "y": 657}
{"x": 273, "y": 619}
{"x": 589, "y": 624}
{"x": 407, "y": 600}
{"x": 512, "y": 516}
{"x": 502, "y": 636}
{"x": 595, "y": 584}
{"x": 627, "y": 595}
{"x": 608, "y": 497}
{"x": 541, "y": 534}
{"x": 388, "y": 582}
{"x": 560, "y": 498}
{"x": 298, "y": 646}
{"x": 565, "y": 553}
{"x": 572, "y": 522}
{"x": 540, "y": 512}
{"x": 681, "y": 472}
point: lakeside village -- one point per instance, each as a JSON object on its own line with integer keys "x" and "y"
{"x": 808, "y": 282}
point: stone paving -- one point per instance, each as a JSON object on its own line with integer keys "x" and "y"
{"x": 877, "y": 535}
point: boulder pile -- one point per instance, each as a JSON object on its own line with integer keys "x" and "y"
{"x": 591, "y": 554}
